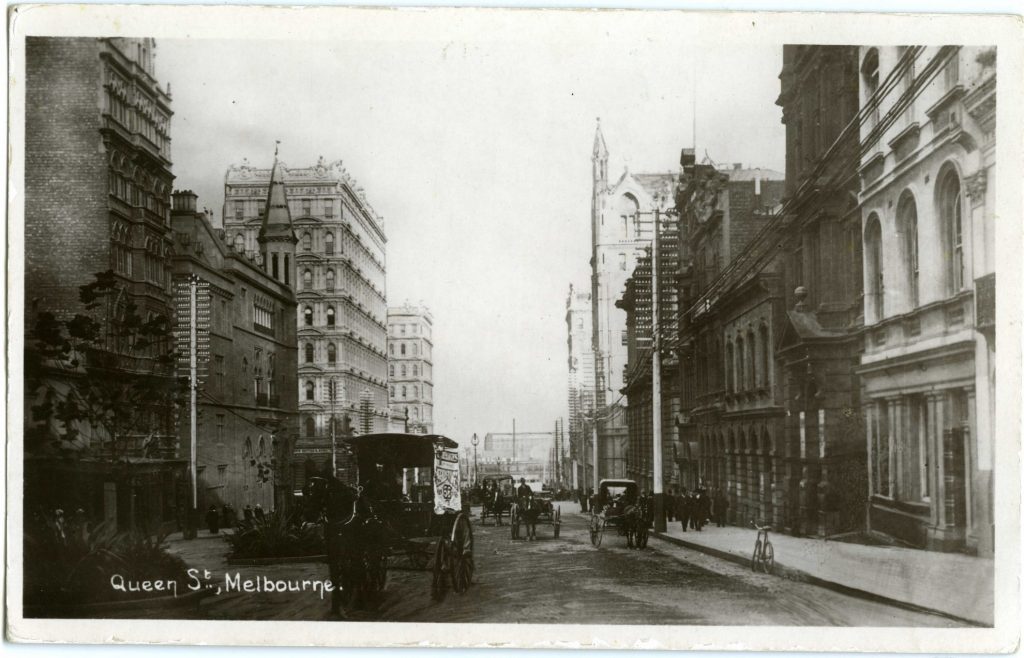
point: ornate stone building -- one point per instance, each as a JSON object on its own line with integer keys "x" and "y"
{"x": 579, "y": 320}
{"x": 621, "y": 225}
{"x": 928, "y": 367}
{"x": 338, "y": 273}
{"x": 411, "y": 366}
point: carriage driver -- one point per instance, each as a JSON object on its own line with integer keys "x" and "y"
{"x": 524, "y": 490}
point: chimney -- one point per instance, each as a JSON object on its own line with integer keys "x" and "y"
{"x": 184, "y": 201}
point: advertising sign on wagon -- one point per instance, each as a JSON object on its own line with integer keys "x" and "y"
{"x": 447, "y": 493}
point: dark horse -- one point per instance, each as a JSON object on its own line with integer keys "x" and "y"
{"x": 494, "y": 504}
{"x": 355, "y": 538}
{"x": 635, "y": 519}
{"x": 527, "y": 511}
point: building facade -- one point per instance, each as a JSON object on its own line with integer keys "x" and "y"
{"x": 247, "y": 403}
{"x": 621, "y": 226}
{"x": 520, "y": 454}
{"x": 730, "y": 414}
{"x": 97, "y": 200}
{"x": 338, "y": 273}
{"x": 579, "y": 326}
{"x": 928, "y": 370}
{"x": 411, "y": 366}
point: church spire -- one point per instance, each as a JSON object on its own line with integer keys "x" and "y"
{"x": 277, "y": 236}
{"x": 600, "y": 150}
{"x": 600, "y": 160}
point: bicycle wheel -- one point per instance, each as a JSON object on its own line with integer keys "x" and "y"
{"x": 756, "y": 559}
{"x": 768, "y": 563}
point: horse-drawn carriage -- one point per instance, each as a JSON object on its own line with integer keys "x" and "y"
{"x": 498, "y": 494}
{"x": 618, "y": 504}
{"x": 530, "y": 510}
{"x": 383, "y": 517}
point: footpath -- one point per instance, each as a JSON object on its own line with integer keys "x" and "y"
{"x": 952, "y": 584}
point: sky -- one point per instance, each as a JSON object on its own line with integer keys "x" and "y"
{"x": 477, "y": 154}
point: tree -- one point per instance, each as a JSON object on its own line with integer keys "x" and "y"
{"x": 104, "y": 376}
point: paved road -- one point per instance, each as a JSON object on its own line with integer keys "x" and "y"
{"x": 566, "y": 580}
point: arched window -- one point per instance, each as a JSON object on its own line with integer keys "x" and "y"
{"x": 415, "y": 413}
{"x": 403, "y": 370}
{"x": 951, "y": 225}
{"x": 869, "y": 80}
{"x": 392, "y": 391}
{"x": 416, "y": 392}
{"x": 240, "y": 243}
{"x": 330, "y": 279}
{"x": 765, "y": 357}
{"x": 273, "y": 266}
{"x": 391, "y": 371}
{"x": 741, "y": 384}
{"x": 307, "y": 280}
{"x": 415, "y": 349}
{"x": 415, "y": 370}
{"x": 330, "y": 316}
{"x": 307, "y": 241}
{"x": 332, "y": 354}
{"x": 403, "y": 393}
{"x": 751, "y": 360}
{"x": 906, "y": 228}
{"x": 309, "y": 390}
{"x": 402, "y": 349}
{"x": 874, "y": 297}
{"x": 329, "y": 244}
{"x": 310, "y": 424}
{"x": 307, "y": 316}
{"x": 309, "y": 352}
{"x": 247, "y": 449}
{"x": 391, "y": 349}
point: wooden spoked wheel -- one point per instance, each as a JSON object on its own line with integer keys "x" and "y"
{"x": 460, "y": 555}
{"x": 596, "y": 530}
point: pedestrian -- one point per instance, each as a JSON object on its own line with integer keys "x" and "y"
{"x": 260, "y": 514}
{"x": 582, "y": 498}
{"x": 721, "y": 508}
{"x": 248, "y": 515}
{"x": 695, "y": 505}
{"x": 229, "y": 516}
{"x": 682, "y": 508}
{"x": 705, "y": 511}
{"x": 213, "y": 520}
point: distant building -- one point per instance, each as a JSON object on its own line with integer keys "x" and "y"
{"x": 97, "y": 198}
{"x": 338, "y": 273}
{"x": 621, "y": 221}
{"x": 928, "y": 367}
{"x": 521, "y": 454}
{"x": 248, "y": 405}
{"x": 411, "y": 366}
{"x": 579, "y": 321}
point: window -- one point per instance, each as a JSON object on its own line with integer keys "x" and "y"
{"x": 391, "y": 371}
{"x": 741, "y": 384}
{"x": 874, "y": 298}
{"x": 391, "y": 349}
{"x": 307, "y": 206}
{"x": 391, "y": 391}
{"x": 403, "y": 329}
{"x": 328, "y": 208}
{"x": 415, "y": 370}
{"x": 240, "y": 243}
{"x": 765, "y": 357}
{"x": 416, "y": 392}
{"x": 402, "y": 349}
{"x": 307, "y": 241}
{"x": 121, "y": 249}
{"x": 308, "y": 350}
{"x": 154, "y": 262}
{"x": 310, "y": 426}
{"x": 415, "y": 349}
{"x": 330, "y": 279}
{"x": 951, "y": 73}
{"x": 330, "y": 316}
{"x": 307, "y": 316}
{"x": 750, "y": 377}
{"x": 329, "y": 244}
{"x": 869, "y": 78}
{"x": 622, "y": 262}
{"x": 403, "y": 370}
{"x": 273, "y": 266}
{"x": 906, "y": 225}
{"x": 951, "y": 225}
{"x": 403, "y": 393}
{"x": 880, "y": 457}
{"x": 332, "y": 354}
{"x": 309, "y": 391}
{"x": 263, "y": 314}
{"x": 307, "y": 280}
{"x": 239, "y": 209}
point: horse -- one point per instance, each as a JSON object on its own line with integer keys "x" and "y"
{"x": 494, "y": 504}
{"x": 355, "y": 540}
{"x": 527, "y": 511}
{"x": 635, "y": 518}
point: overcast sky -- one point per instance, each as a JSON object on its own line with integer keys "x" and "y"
{"x": 477, "y": 154}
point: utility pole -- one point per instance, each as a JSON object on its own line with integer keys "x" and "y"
{"x": 514, "y": 456}
{"x": 332, "y": 390}
{"x": 193, "y": 385}
{"x": 596, "y": 472}
{"x": 659, "y": 494}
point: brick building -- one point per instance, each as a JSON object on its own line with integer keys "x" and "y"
{"x": 339, "y": 276}
{"x": 730, "y": 413}
{"x": 247, "y": 404}
{"x": 97, "y": 199}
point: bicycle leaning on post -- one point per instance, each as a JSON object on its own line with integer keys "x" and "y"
{"x": 764, "y": 554}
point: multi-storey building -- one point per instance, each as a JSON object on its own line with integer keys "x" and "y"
{"x": 621, "y": 224}
{"x": 637, "y": 301}
{"x": 411, "y": 366}
{"x": 927, "y": 370}
{"x": 521, "y": 454}
{"x": 97, "y": 198}
{"x": 730, "y": 416}
{"x": 247, "y": 404}
{"x": 579, "y": 324}
{"x": 819, "y": 468}
{"x": 338, "y": 273}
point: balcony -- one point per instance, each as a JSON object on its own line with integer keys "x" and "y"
{"x": 141, "y": 446}
{"x": 264, "y": 400}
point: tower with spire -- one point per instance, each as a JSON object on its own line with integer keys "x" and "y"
{"x": 600, "y": 160}
{"x": 277, "y": 235}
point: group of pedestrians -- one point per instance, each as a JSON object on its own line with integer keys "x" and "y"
{"x": 695, "y": 509}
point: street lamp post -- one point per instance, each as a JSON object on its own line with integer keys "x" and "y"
{"x": 476, "y": 466}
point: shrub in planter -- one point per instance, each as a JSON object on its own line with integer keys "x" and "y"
{"x": 275, "y": 535}
{"x": 73, "y": 564}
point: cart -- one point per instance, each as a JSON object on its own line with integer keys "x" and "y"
{"x": 498, "y": 497}
{"x": 382, "y": 517}
{"x": 544, "y": 511}
{"x": 618, "y": 504}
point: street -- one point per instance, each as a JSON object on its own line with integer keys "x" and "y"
{"x": 563, "y": 580}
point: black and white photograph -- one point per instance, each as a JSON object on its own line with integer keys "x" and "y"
{"x": 516, "y": 327}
